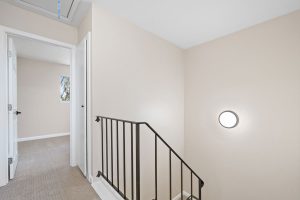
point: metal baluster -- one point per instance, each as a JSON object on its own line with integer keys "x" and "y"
{"x": 137, "y": 144}
{"x": 124, "y": 160}
{"x": 155, "y": 167}
{"x": 170, "y": 166}
{"x": 199, "y": 184}
{"x": 112, "y": 151}
{"x": 191, "y": 184}
{"x": 106, "y": 149}
{"x": 181, "y": 181}
{"x": 117, "y": 132}
{"x": 102, "y": 145}
{"x": 132, "y": 181}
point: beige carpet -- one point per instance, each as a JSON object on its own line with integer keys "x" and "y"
{"x": 44, "y": 173}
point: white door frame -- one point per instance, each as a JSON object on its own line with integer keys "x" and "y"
{"x": 12, "y": 100}
{"x": 4, "y": 33}
{"x": 88, "y": 105}
{"x": 88, "y": 168}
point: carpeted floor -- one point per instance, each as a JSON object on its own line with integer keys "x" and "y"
{"x": 44, "y": 173}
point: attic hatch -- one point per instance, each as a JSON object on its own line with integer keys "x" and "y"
{"x": 51, "y": 6}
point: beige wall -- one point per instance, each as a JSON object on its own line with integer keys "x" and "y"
{"x": 85, "y": 26}
{"x": 135, "y": 76}
{"x": 39, "y": 99}
{"x": 255, "y": 72}
{"x": 27, "y": 21}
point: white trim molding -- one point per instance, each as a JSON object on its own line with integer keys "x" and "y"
{"x": 3, "y": 108}
{"x": 39, "y": 137}
{"x": 89, "y": 110}
{"x": 105, "y": 191}
{"x": 185, "y": 195}
{"x": 91, "y": 179}
{"x": 4, "y": 33}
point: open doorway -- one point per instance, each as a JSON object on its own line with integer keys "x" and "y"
{"x": 47, "y": 93}
{"x": 39, "y": 98}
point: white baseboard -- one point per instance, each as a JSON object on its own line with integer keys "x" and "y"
{"x": 105, "y": 191}
{"x": 42, "y": 137}
{"x": 178, "y": 196}
{"x": 91, "y": 179}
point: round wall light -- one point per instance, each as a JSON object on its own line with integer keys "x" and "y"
{"x": 228, "y": 119}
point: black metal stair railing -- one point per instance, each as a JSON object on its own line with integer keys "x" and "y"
{"x": 135, "y": 163}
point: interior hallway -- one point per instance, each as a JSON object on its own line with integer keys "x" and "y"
{"x": 44, "y": 173}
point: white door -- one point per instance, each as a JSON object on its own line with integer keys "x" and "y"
{"x": 13, "y": 109}
{"x": 81, "y": 86}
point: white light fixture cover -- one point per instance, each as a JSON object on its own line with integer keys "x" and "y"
{"x": 228, "y": 119}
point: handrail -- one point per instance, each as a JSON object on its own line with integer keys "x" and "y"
{"x": 152, "y": 129}
{"x": 115, "y": 119}
{"x": 137, "y": 150}
{"x": 173, "y": 151}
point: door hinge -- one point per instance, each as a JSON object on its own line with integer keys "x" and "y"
{"x": 9, "y": 107}
{"x": 9, "y": 54}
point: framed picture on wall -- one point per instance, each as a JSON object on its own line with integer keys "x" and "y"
{"x": 65, "y": 88}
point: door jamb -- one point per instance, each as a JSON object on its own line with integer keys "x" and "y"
{"x": 3, "y": 109}
{"x": 88, "y": 37}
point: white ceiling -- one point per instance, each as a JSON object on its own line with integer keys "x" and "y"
{"x": 72, "y": 11}
{"x": 37, "y": 50}
{"x": 187, "y": 23}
